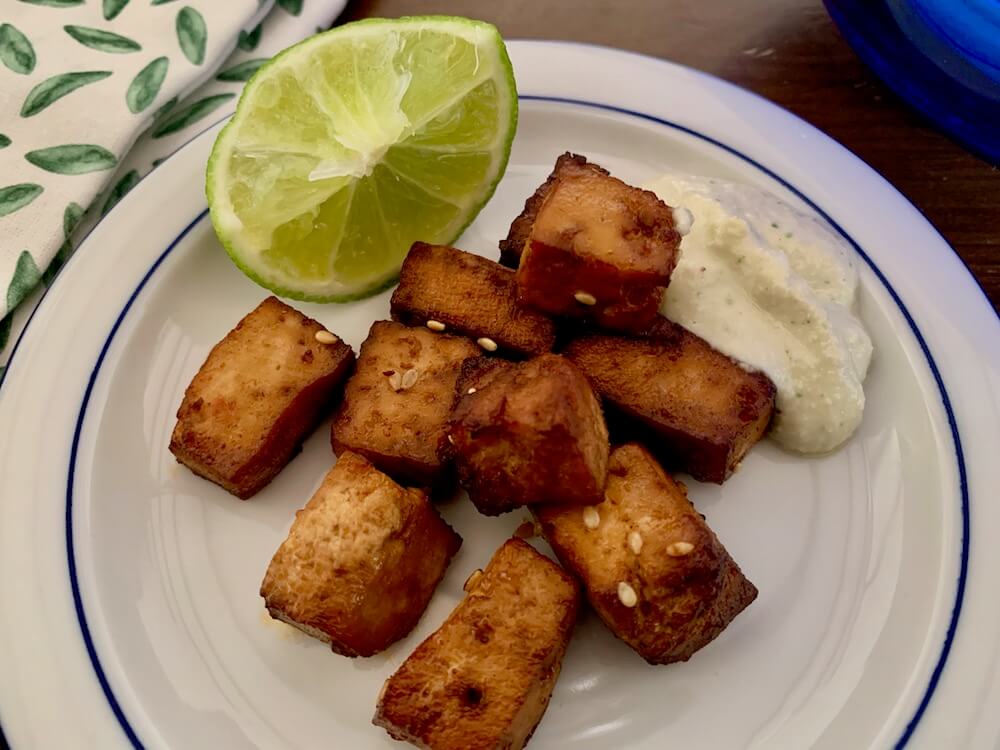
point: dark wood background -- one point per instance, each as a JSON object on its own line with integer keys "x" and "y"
{"x": 790, "y": 52}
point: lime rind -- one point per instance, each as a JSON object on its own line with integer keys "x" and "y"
{"x": 485, "y": 37}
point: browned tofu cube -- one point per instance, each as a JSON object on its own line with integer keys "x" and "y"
{"x": 484, "y": 679}
{"x": 361, "y": 561}
{"x": 696, "y": 408}
{"x": 528, "y": 433}
{"x": 396, "y": 405}
{"x": 261, "y": 391}
{"x": 469, "y": 295}
{"x": 512, "y": 247}
{"x": 652, "y": 569}
{"x": 599, "y": 250}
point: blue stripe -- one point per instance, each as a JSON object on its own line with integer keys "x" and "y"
{"x": 964, "y": 560}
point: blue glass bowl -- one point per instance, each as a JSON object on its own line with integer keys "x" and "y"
{"x": 942, "y": 56}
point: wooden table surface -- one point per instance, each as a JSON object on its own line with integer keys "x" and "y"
{"x": 790, "y": 52}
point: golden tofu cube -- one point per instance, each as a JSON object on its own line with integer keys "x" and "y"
{"x": 396, "y": 405}
{"x": 471, "y": 296}
{"x": 484, "y": 679}
{"x": 512, "y": 247}
{"x": 652, "y": 569}
{"x": 697, "y": 409}
{"x": 599, "y": 250}
{"x": 530, "y": 432}
{"x": 361, "y": 561}
{"x": 261, "y": 391}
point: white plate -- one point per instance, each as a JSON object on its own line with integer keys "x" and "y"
{"x": 130, "y": 614}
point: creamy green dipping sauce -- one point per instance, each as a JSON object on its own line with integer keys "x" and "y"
{"x": 776, "y": 289}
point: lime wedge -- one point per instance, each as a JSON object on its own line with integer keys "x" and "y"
{"x": 351, "y": 145}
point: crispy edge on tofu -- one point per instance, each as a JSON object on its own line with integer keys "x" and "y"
{"x": 469, "y": 295}
{"x": 531, "y": 432}
{"x": 697, "y": 409}
{"x": 653, "y": 570}
{"x": 484, "y": 679}
{"x": 258, "y": 395}
{"x": 361, "y": 561}
{"x": 512, "y": 247}
{"x": 396, "y": 405}
{"x": 599, "y": 250}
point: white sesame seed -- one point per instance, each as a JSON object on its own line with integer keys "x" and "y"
{"x": 679, "y": 549}
{"x": 627, "y": 595}
{"x": 683, "y": 219}
{"x": 591, "y": 518}
{"x": 435, "y": 325}
{"x": 395, "y": 381}
{"x": 585, "y": 298}
{"x": 471, "y": 391}
{"x": 325, "y": 337}
{"x": 488, "y": 344}
{"x": 409, "y": 378}
{"x": 635, "y": 542}
{"x": 451, "y": 439}
{"x": 470, "y": 582}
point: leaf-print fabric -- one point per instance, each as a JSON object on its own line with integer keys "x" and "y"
{"x": 56, "y": 87}
{"x": 96, "y": 94}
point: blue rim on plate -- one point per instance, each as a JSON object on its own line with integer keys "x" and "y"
{"x": 946, "y": 402}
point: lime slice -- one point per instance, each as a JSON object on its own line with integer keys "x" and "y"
{"x": 351, "y": 145}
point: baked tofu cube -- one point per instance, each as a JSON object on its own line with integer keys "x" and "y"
{"x": 468, "y": 295}
{"x": 361, "y": 561}
{"x": 652, "y": 569}
{"x": 599, "y": 250}
{"x": 484, "y": 679}
{"x": 261, "y": 391}
{"x": 529, "y": 433}
{"x": 396, "y": 405}
{"x": 513, "y": 245}
{"x": 699, "y": 410}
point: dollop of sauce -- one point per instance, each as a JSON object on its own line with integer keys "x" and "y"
{"x": 776, "y": 289}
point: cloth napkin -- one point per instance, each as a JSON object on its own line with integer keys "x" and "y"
{"x": 96, "y": 93}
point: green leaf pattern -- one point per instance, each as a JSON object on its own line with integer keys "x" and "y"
{"x": 72, "y": 158}
{"x": 192, "y": 34}
{"x": 101, "y": 40}
{"x": 40, "y": 160}
{"x": 111, "y": 8}
{"x": 146, "y": 85}
{"x": 16, "y": 51}
{"x": 14, "y": 197}
{"x": 241, "y": 71}
{"x": 190, "y": 114}
{"x": 128, "y": 181}
{"x": 26, "y": 278}
{"x": 55, "y": 88}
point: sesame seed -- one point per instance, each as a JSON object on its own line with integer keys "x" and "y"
{"x": 395, "y": 381}
{"x": 471, "y": 391}
{"x": 435, "y": 325}
{"x": 488, "y": 344}
{"x": 471, "y": 581}
{"x": 591, "y": 518}
{"x": 585, "y": 298}
{"x": 679, "y": 549}
{"x": 451, "y": 439}
{"x": 635, "y": 542}
{"x": 325, "y": 337}
{"x": 627, "y": 595}
{"x": 409, "y": 378}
